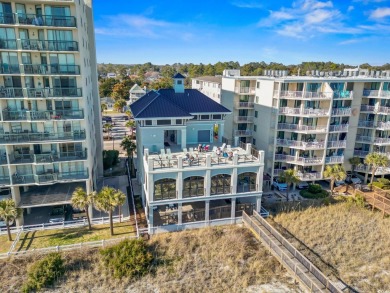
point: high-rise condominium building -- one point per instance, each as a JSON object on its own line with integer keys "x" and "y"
{"x": 50, "y": 132}
{"x": 308, "y": 122}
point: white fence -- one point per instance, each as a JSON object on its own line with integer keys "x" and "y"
{"x": 91, "y": 244}
{"x": 63, "y": 225}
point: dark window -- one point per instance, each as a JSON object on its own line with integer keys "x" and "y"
{"x": 205, "y": 117}
{"x": 179, "y": 82}
{"x": 254, "y": 142}
{"x": 254, "y": 128}
{"x": 246, "y": 182}
{"x": 163, "y": 122}
{"x": 178, "y": 121}
{"x": 148, "y": 122}
{"x": 256, "y": 114}
{"x": 217, "y": 116}
{"x": 220, "y": 184}
{"x": 164, "y": 189}
{"x": 193, "y": 186}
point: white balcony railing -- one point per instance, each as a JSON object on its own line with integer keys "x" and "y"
{"x": 370, "y": 93}
{"x": 309, "y": 176}
{"x": 337, "y": 144}
{"x": 383, "y": 125}
{"x": 364, "y": 123}
{"x": 300, "y": 144}
{"x": 343, "y": 95}
{"x": 383, "y": 110}
{"x": 245, "y": 90}
{"x": 334, "y": 160}
{"x": 248, "y": 105}
{"x": 363, "y": 138}
{"x": 341, "y": 112}
{"x": 367, "y": 108}
{"x": 306, "y": 128}
{"x": 298, "y": 160}
{"x": 244, "y": 119}
{"x": 359, "y": 153}
{"x": 337, "y": 128}
{"x": 304, "y": 95}
{"x": 384, "y": 94}
{"x": 305, "y": 112}
{"x": 380, "y": 140}
{"x": 243, "y": 133}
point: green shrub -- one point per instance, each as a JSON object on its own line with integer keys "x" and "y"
{"x": 130, "y": 258}
{"x": 382, "y": 183}
{"x": 110, "y": 158}
{"x": 314, "y": 191}
{"x": 44, "y": 272}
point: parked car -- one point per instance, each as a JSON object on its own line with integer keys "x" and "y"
{"x": 78, "y": 214}
{"x": 279, "y": 185}
{"x": 2, "y": 224}
{"x": 302, "y": 185}
{"x": 354, "y": 178}
{"x": 107, "y": 119}
{"x": 57, "y": 214}
{"x": 339, "y": 183}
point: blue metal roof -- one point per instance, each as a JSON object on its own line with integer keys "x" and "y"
{"x": 179, "y": 75}
{"x": 167, "y": 103}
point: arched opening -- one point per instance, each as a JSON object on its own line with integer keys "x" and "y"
{"x": 220, "y": 184}
{"x": 164, "y": 189}
{"x": 193, "y": 186}
{"x": 246, "y": 182}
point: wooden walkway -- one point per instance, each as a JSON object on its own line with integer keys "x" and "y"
{"x": 377, "y": 199}
{"x": 308, "y": 275}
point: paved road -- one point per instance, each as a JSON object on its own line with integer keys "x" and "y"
{"x": 119, "y": 131}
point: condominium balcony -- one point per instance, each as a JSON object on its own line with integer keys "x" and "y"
{"x": 383, "y": 110}
{"x": 8, "y": 44}
{"x": 45, "y": 158}
{"x": 244, "y": 119}
{"x": 371, "y": 93}
{"x": 9, "y": 69}
{"x": 367, "y": 108}
{"x": 366, "y": 124}
{"x": 304, "y": 145}
{"x": 364, "y": 139}
{"x": 342, "y": 111}
{"x": 37, "y": 20}
{"x": 40, "y": 93}
{"x": 303, "y": 95}
{"x": 49, "y": 177}
{"x": 309, "y": 176}
{"x": 245, "y": 90}
{"x": 39, "y": 137}
{"x": 384, "y": 94}
{"x": 244, "y": 105}
{"x": 52, "y": 69}
{"x": 305, "y": 112}
{"x": 339, "y": 128}
{"x": 368, "y": 169}
{"x": 45, "y": 45}
{"x": 5, "y": 180}
{"x": 383, "y": 125}
{"x": 243, "y": 132}
{"x": 360, "y": 153}
{"x": 337, "y": 144}
{"x": 304, "y": 161}
{"x": 343, "y": 95}
{"x": 334, "y": 160}
{"x": 23, "y": 115}
{"x": 302, "y": 128}
{"x": 375, "y": 140}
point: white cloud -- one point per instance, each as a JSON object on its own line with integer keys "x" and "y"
{"x": 369, "y": 1}
{"x": 247, "y": 4}
{"x": 380, "y": 13}
{"x": 306, "y": 18}
{"x": 350, "y": 8}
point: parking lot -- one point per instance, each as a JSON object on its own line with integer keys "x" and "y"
{"x": 113, "y": 139}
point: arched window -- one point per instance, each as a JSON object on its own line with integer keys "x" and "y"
{"x": 246, "y": 182}
{"x": 164, "y": 189}
{"x": 220, "y": 184}
{"x": 193, "y": 186}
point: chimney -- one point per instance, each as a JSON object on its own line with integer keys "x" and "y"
{"x": 178, "y": 85}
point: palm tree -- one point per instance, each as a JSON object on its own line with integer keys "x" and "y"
{"x": 103, "y": 107}
{"x": 130, "y": 124}
{"x": 82, "y": 201}
{"x": 334, "y": 173}
{"x": 354, "y": 161}
{"x": 108, "y": 127}
{"x": 375, "y": 160}
{"x": 129, "y": 114}
{"x": 118, "y": 105}
{"x": 107, "y": 200}
{"x": 129, "y": 146}
{"x": 289, "y": 176}
{"x": 9, "y": 213}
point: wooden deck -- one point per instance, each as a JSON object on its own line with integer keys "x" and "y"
{"x": 308, "y": 275}
{"x": 378, "y": 199}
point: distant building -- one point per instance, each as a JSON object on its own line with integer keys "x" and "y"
{"x": 135, "y": 93}
{"x": 109, "y": 102}
{"x": 183, "y": 187}
{"x": 111, "y": 75}
{"x": 209, "y": 85}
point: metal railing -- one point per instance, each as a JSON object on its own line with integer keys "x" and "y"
{"x": 383, "y": 125}
{"x": 245, "y": 90}
{"x": 383, "y": 109}
{"x": 360, "y": 153}
{"x": 342, "y": 127}
{"x": 306, "y": 111}
{"x": 370, "y": 93}
{"x": 243, "y": 119}
{"x": 9, "y": 69}
{"x": 50, "y": 69}
{"x": 46, "y": 45}
{"x": 21, "y": 179}
{"x": 337, "y": 144}
{"x": 243, "y": 132}
{"x": 41, "y": 136}
{"x": 290, "y": 126}
{"x": 300, "y": 144}
{"x": 367, "y": 108}
{"x": 23, "y": 115}
{"x": 42, "y": 20}
{"x": 292, "y": 261}
{"x": 364, "y": 123}
{"x": 52, "y": 92}
{"x": 244, "y": 105}
{"x": 309, "y": 175}
{"x": 10, "y": 44}
{"x": 303, "y": 95}
{"x": 385, "y": 94}
{"x": 342, "y": 111}
{"x": 343, "y": 95}
{"x": 334, "y": 160}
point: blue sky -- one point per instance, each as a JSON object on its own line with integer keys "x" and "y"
{"x": 165, "y": 32}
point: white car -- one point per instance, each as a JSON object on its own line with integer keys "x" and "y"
{"x": 339, "y": 183}
{"x": 302, "y": 185}
{"x": 281, "y": 186}
{"x": 2, "y": 224}
{"x": 355, "y": 179}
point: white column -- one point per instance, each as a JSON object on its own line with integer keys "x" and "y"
{"x": 150, "y": 216}
{"x": 221, "y": 128}
{"x": 233, "y": 210}
{"x": 184, "y": 138}
{"x": 179, "y": 214}
{"x": 179, "y": 185}
{"x": 234, "y": 181}
{"x": 258, "y": 203}
{"x": 207, "y": 183}
{"x": 207, "y": 211}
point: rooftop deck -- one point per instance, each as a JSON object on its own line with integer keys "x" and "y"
{"x": 177, "y": 158}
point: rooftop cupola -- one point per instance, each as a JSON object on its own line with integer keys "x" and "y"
{"x": 178, "y": 85}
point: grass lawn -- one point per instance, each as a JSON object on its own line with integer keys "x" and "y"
{"x": 5, "y": 244}
{"x": 46, "y": 238}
